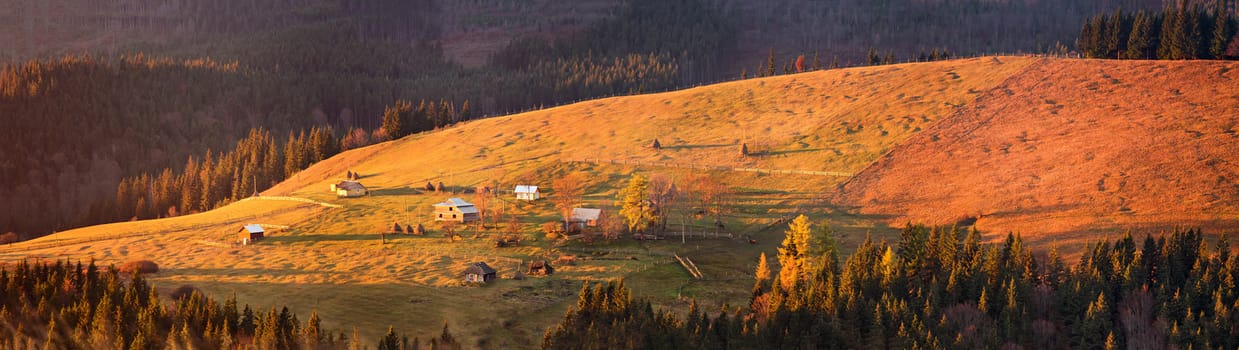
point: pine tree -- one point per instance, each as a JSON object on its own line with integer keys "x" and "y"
{"x": 1223, "y": 30}
{"x": 395, "y": 119}
{"x": 466, "y": 111}
{"x": 390, "y": 341}
{"x": 770, "y": 64}
{"x": 1117, "y": 36}
{"x": 1097, "y": 47}
{"x": 1139, "y": 45}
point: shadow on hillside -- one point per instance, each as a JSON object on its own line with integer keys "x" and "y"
{"x": 714, "y": 145}
{"x": 786, "y": 152}
{"x": 232, "y": 272}
{"x": 399, "y": 191}
{"x": 336, "y": 238}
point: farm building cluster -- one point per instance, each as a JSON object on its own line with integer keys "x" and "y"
{"x": 455, "y": 210}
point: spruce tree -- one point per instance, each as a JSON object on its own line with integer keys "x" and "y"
{"x": 1117, "y": 35}
{"x": 1138, "y": 43}
{"x": 1223, "y": 30}
{"x": 770, "y": 64}
{"x": 395, "y": 118}
{"x": 390, "y": 341}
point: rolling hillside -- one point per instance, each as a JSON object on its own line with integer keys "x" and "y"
{"x": 1073, "y": 147}
{"x": 937, "y": 142}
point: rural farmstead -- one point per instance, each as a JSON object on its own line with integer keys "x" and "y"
{"x": 456, "y": 210}
{"x": 527, "y": 193}
{"x": 479, "y": 272}
{"x": 250, "y": 233}
{"x": 348, "y": 189}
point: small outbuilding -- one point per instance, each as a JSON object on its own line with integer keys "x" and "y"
{"x": 540, "y": 268}
{"x": 250, "y": 233}
{"x": 348, "y": 189}
{"x": 456, "y": 210}
{"x": 527, "y": 193}
{"x": 479, "y": 272}
{"x": 584, "y": 217}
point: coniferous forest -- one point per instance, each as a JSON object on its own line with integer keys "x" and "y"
{"x": 1175, "y": 33}
{"x": 66, "y": 305}
{"x": 938, "y": 288}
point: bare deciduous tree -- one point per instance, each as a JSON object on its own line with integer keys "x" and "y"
{"x": 663, "y": 196}
{"x": 568, "y": 191}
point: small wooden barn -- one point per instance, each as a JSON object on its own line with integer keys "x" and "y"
{"x": 527, "y": 193}
{"x": 540, "y": 268}
{"x": 479, "y": 272}
{"x": 456, "y": 210}
{"x": 584, "y": 217}
{"x": 348, "y": 189}
{"x": 250, "y": 233}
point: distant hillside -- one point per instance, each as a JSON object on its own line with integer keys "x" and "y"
{"x": 1069, "y": 147}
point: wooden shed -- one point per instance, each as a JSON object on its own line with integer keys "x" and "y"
{"x": 540, "y": 268}
{"x": 584, "y": 217}
{"x": 250, "y": 233}
{"x": 456, "y": 210}
{"x": 479, "y": 272}
{"x": 527, "y": 193}
{"x": 348, "y": 189}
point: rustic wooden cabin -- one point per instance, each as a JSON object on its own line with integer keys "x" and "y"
{"x": 540, "y": 268}
{"x": 348, "y": 189}
{"x": 527, "y": 193}
{"x": 456, "y": 210}
{"x": 479, "y": 272}
{"x": 250, "y": 233}
{"x": 584, "y": 217}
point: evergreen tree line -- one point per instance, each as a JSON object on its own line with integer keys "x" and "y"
{"x": 402, "y": 118}
{"x": 256, "y": 163}
{"x": 1175, "y": 33}
{"x": 942, "y": 288}
{"x": 873, "y": 58}
{"x": 63, "y": 305}
{"x": 71, "y": 306}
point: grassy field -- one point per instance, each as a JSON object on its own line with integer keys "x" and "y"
{"x": 332, "y": 258}
{"x": 1072, "y": 151}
